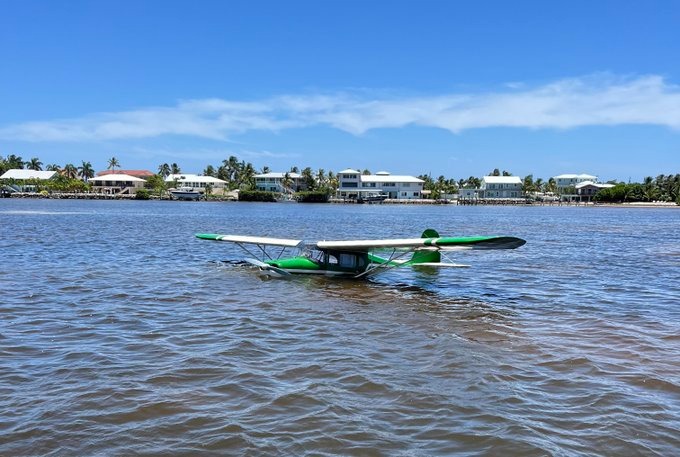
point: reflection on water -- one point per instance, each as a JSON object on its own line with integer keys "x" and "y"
{"x": 123, "y": 334}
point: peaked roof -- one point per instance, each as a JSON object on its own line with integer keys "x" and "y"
{"x": 390, "y": 178}
{"x": 115, "y": 177}
{"x": 19, "y": 173}
{"x": 349, "y": 170}
{"x": 279, "y": 175}
{"x": 502, "y": 179}
{"x": 575, "y": 176}
{"x": 591, "y": 183}
{"x": 135, "y": 173}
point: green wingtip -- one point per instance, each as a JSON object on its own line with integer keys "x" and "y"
{"x": 207, "y": 236}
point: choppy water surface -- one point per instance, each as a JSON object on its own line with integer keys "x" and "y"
{"x": 121, "y": 334}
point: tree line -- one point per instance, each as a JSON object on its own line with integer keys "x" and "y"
{"x": 240, "y": 174}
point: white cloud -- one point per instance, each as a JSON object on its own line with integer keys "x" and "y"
{"x": 569, "y": 103}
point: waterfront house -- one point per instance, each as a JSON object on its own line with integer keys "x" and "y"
{"x": 116, "y": 184}
{"x": 197, "y": 182}
{"x": 567, "y": 181}
{"x": 274, "y": 182}
{"x": 500, "y": 187}
{"x": 587, "y": 189}
{"x": 352, "y": 184}
{"x": 24, "y": 180}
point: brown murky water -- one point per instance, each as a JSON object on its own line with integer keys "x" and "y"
{"x": 121, "y": 334}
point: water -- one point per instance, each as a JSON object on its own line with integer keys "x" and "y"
{"x": 122, "y": 334}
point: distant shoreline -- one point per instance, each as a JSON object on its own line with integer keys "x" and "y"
{"x": 215, "y": 199}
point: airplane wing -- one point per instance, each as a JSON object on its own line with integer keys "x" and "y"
{"x": 425, "y": 244}
{"x": 261, "y": 240}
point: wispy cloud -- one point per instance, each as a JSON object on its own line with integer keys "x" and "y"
{"x": 568, "y": 103}
{"x": 209, "y": 154}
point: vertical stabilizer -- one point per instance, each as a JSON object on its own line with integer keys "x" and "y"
{"x": 427, "y": 256}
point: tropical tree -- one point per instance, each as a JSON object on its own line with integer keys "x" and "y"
{"x": 366, "y": 172}
{"x": 551, "y": 186}
{"x": 34, "y": 164}
{"x": 53, "y": 167}
{"x": 175, "y": 169}
{"x": 539, "y": 185}
{"x": 528, "y": 185}
{"x": 265, "y": 170}
{"x": 86, "y": 171}
{"x": 157, "y": 184}
{"x": 321, "y": 177}
{"x": 164, "y": 170}
{"x": 287, "y": 181}
{"x": 208, "y": 191}
{"x": 649, "y": 189}
{"x": 13, "y": 162}
{"x": 332, "y": 181}
{"x": 70, "y": 171}
{"x": 294, "y": 169}
{"x": 209, "y": 171}
{"x": 246, "y": 175}
{"x": 113, "y": 163}
{"x": 308, "y": 178}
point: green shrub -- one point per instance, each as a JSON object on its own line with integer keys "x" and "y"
{"x": 256, "y": 196}
{"x": 142, "y": 194}
{"x": 315, "y": 196}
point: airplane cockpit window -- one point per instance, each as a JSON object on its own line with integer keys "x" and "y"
{"x": 332, "y": 259}
{"x": 348, "y": 260}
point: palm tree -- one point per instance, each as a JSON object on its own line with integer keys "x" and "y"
{"x": 70, "y": 171}
{"x": 53, "y": 167}
{"x": 246, "y": 175}
{"x": 539, "y": 185}
{"x": 209, "y": 171}
{"x": 308, "y": 178}
{"x": 86, "y": 171}
{"x": 287, "y": 181}
{"x": 12, "y": 162}
{"x": 174, "y": 169}
{"x": 113, "y": 163}
{"x": 265, "y": 170}
{"x": 332, "y": 181}
{"x": 164, "y": 170}
{"x": 321, "y": 177}
{"x": 34, "y": 164}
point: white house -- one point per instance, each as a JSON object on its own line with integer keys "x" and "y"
{"x": 21, "y": 176}
{"x": 273, "y": 182}
{"x": 117, "y": 183}
{"x": 198, "y": 182}
{"x": 501, "y": 187}
{"x": 566, "y": 181}
{"x": 352, "y": 184}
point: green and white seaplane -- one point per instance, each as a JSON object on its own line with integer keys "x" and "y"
{"x": 357, "y": 258}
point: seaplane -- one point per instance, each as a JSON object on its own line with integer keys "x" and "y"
{"x": 356, "y": 258}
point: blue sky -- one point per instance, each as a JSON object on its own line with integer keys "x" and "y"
{"x": 442, "y": 87}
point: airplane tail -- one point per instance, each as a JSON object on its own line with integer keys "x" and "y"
{"x": 426, "y": 256}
